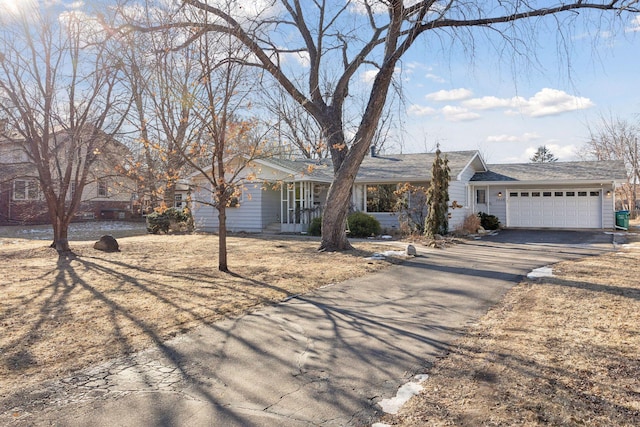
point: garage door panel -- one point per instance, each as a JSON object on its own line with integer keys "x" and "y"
{"x": 566, "y": 208}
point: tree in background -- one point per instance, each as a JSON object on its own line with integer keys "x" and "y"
{"x": 617, "y": 139}
{"x": 438, "y": 198}
{"x": 164, "y": 85}
{"x": 543, "y": 155}
{"x": 339, "y": 41}
{"x": 59, "y": 96}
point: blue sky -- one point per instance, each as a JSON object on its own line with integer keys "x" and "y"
{"x": 507, "y": 110}
{"x": 502, "y": 105}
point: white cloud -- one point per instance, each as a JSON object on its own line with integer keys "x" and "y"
{"x": 549, "y": 102}
{"x": 419, "y": 110}
{"x": 458, "y": 114}
{"x": 301, "y": 58}
{"x": 635, "y": 25}
{"x": 370, "y": 75}
{"x": 75, "y": 5}
{"x": 449, "y": 95}
{"x": 529, "y": 136}
{"x": 434, "y": 78}
{"x": 489, "y": 102}
{"x": 546, "y": 102}
{"x": 377, "y": 6}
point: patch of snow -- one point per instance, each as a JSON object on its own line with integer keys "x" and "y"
{"x": 541, "y": 272}
{"x": 386, "y": 237}
{"x": 380, "y": 425}
{"x": 381, "y": 256}
{"x": 405, "y": 392}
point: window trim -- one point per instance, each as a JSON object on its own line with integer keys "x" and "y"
{"x": 102, "y": 187}
{"x": 30, "y": 186}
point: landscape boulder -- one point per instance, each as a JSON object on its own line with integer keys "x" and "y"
{"x": 107, "y": 244}
{"x": 411, "y": 250}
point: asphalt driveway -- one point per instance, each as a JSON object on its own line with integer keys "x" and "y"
{"x": 323, "y": 359}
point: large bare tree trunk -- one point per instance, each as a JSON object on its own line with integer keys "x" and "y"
{"x": 60, "y": 225}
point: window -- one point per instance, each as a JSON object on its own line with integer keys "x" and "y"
{"x": 481, "y": 197}
{"x": 594, "y": 193}
{"x": 558, "y": 193}
{"x": 25, "y": 189}
{"x": 102, "y": 188}
{"x": 546, "y": 194}
{"x": 582, "y": 194}
{"x": 513, "y": 194}
{"x": 177, "y": 201}
{"x": 73, "y": 189}
{"x": 535, "y": 194}
{"x": 524, "y": 194}
{"x": 381, "y": 198}
{"x": 571, "y": 193}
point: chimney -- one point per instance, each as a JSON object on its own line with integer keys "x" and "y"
{"x": 373, "y": 151}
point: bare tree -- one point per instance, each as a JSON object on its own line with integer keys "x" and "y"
{"x": 59, "y": 93}
{"x": 340, "y": 39}
{"x": 164, "y": 83}
{"x": 228, "y": 139}
{"x": 615, "y": 138}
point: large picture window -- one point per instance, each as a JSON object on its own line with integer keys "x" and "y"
{"x": 381, "y": 197}
{"x": 25, "y": 189}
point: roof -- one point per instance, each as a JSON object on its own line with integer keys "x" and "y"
{"x": 380, "y": 168}
{"x": 610, "y": 170}
{"x": 411, "y": 167}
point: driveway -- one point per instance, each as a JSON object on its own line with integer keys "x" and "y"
{"x": 322, "y": 359}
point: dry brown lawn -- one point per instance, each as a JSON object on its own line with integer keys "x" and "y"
{"x": 555, "y": 351}
{"x": 560, "y": 351}
{"x": 60, "y": 314}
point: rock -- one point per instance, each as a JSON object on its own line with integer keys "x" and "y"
{"x": 438, "y": 237}
{"x": 107, "y": 244}
{"x": 411, "y": 250}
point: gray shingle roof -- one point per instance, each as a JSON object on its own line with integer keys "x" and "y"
{"x": 554, "y": 171}
{"x": 381, "y": 168}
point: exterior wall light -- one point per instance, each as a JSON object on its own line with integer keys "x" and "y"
{"x": 499, "y": 194}
{"x": 608, "y": 193}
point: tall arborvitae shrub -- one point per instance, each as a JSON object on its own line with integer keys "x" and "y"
{"x": 438, "y": 198}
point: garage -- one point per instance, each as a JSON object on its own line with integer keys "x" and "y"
{"x": 555, "y": 208}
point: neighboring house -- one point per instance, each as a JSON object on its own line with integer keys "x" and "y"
{"x": 285, "y": 195}
{"x": 106, "y": 195}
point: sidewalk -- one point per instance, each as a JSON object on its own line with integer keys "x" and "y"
{"x": 325, "y": 358}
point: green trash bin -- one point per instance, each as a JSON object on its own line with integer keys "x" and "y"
{"x": 622, "y": 219}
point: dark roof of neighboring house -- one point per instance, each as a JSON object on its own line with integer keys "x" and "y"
{"x": 381, "y": 168}
{"x": 611, "y": 170}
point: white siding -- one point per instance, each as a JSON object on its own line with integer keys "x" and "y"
{"x": 245, "y": 217}
{"x": 388, "y": 220}
{"x": 608, "y": 208}
{"x": 458, "y": 193}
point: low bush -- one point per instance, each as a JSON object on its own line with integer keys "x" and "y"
{"x": 489, "y": 222}
{"x": 315, "y": 228}
{"x": 171, "y": 219}
{"x": 471, "y": 224}
{"x": 360, "y": 224}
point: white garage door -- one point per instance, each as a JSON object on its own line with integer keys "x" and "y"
{"x": 568, "y": 208}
